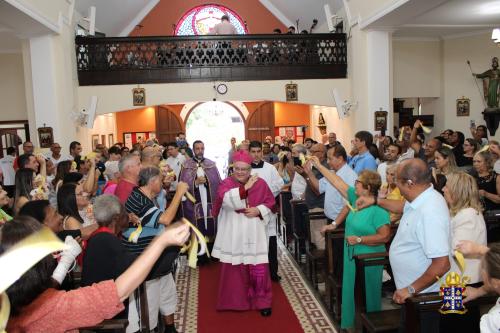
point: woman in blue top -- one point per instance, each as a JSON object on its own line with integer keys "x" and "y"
{"x": 366, "y": 231}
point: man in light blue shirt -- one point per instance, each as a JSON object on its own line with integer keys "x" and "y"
{"x": 421, "y": 248}
{"x": 363, "y": 160}
{"x": 334, "y": 202}
{"x": 337, "y": 160}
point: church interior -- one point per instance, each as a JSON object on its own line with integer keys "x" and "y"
{"x": 369, "y": 130}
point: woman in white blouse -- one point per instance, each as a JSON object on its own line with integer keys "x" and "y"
{"x": 467, "y": 222}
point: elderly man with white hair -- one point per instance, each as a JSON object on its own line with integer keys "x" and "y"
{"x": 104, "y": 256}
{"x": 129, "y": 167}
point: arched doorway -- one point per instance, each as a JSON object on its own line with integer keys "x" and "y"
{"x": 215, "y": 123}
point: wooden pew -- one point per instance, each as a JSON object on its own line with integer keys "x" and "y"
{"x": 313, "y": 254}
{"x": 298, "y": 229}
{"x": 334, "y": 242}
{"x": 492, "y": 220}
{"x": 284, "y": 224}
{"x": 119, "y": 325}
{"x": 416, "y": 306}
{"x": 379, "y": 321}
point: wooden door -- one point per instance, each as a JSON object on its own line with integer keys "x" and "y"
{"x": 168, "y": 124}
{"x": 261, "y": 122}
{"x": 8, "y": 138}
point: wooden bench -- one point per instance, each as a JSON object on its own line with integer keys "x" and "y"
{"x": 334, "y": 246}
{"x": 492, "y": 220}
{"x": 298, "y": 232}
{"x": 416, "y": 306}
{"x": 313, "y": 254}
{"x": 378, "y": 321}
{"x": 120, "y": 325}
{"x": 284, "y": 224}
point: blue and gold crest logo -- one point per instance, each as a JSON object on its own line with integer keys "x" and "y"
{"x": 454, "y": 288}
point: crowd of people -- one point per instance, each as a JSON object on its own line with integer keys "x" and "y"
{"x": 116, "y": 209}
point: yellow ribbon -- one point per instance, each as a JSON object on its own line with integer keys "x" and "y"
{"x": 134, "y": 236}
{"x": 354, "y": 210}
{"x": 460, "y": 260}
{"x": 197, "y": 238}
{"x": 4, "y": 312}
{"x": 19, "y": 259}
{"x": 426, "y": 129}
{"x": 485, "y": 148}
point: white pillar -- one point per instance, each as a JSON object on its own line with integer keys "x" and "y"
{"x": 50, "y": 88}
{"x": 43, "y": 85}
{"x": 379, "y": 76}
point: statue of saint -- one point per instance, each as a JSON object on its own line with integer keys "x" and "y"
{"x": 491, "y": 84}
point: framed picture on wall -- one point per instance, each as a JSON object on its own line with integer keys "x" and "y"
{"x": 463, "y": 107}
{"x": 45, "y": 137}
{"x": 291, "y": 91}
{"x": 139, "y": 96}
{"x": 111, "y": 140}
{"x": 95, "y": 141}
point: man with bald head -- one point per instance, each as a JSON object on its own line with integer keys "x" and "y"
{"x": 332, "y": 140}
{"x": 421, "y": 248}
{"x": 150, "y": 156}
{"x": 315, "y": 201}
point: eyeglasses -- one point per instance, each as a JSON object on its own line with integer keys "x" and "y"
{"x": 241, "y": 169}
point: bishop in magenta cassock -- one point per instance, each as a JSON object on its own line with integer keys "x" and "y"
{"x": 243, "y": 208}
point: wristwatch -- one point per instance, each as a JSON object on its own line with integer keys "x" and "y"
{"x": 334, "y": 224}
{"x": 411, "y": 290}
{"x": 358, "y": 240}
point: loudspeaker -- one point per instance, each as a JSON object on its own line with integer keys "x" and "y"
{"x": 339, "y": 103}
{"x": 90, "y": 112}
{"x": 329, "y": 20}
{"x": 92, "y": 20}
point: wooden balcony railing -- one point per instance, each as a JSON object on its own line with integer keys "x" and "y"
{"x": 131, "y": 60}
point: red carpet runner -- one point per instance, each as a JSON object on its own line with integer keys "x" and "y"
{"x": 283, "y": 319}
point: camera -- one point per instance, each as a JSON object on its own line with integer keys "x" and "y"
{"x": 297, "y": 161}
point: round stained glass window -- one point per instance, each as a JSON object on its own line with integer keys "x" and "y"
{"x": 201, "y": 19}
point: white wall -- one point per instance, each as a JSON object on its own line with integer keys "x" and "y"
{"x": 119, "y": 97}
{"x": 459, "y": 82}
{"x": 417, "y": 68}
{"x": 12, "y": 92}
{"x": 104, "y": 124}
{"x": 333, "y": 124}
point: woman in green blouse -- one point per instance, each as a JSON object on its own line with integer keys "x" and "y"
{"x": 366, "y": 231}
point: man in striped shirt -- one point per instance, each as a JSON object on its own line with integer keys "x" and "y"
{"x": 146, "y": 203}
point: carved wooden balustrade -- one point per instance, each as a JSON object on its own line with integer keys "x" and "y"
{"x": 131, "y": 60}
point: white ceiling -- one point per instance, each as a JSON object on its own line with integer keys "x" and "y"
{"x": 114, "y": 16}
{"x": 14, "y": 26}
{"x": 440, "y": 18}
{"x": 304, "y": 10}
{"x": 414, "y": 18}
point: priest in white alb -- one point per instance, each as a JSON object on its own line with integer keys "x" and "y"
{"x": 243, "y": 207}
{"x": 270, "y": 175}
